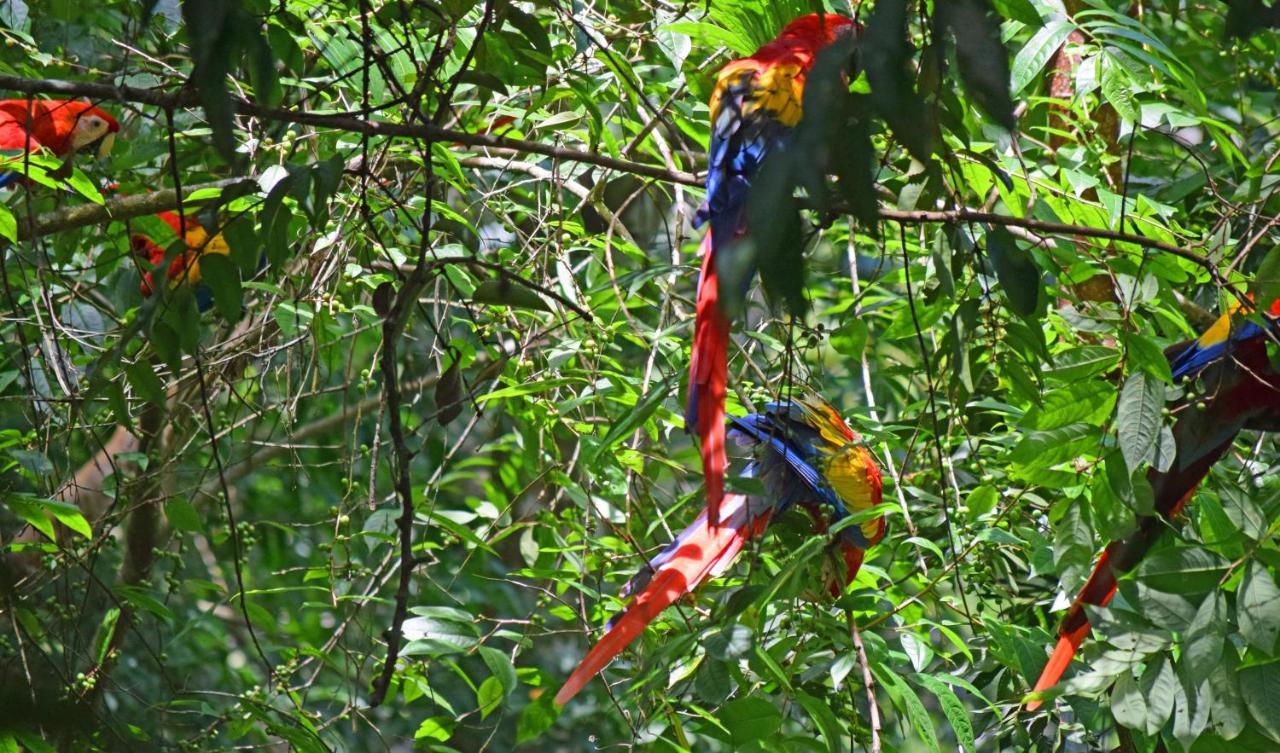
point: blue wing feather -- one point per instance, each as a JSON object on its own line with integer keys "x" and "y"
{"x": 1196, "y": 357}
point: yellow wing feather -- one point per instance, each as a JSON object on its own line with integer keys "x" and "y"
{"x": 776, "y": 91}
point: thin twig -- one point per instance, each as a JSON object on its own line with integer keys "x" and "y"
{"x": 868, "y": 683}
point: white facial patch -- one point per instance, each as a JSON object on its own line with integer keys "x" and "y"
{"x": 89, "y": 129}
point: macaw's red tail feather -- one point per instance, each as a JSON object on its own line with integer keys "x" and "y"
{"x": 852, "y": 564}
{"x": 708, "y": 378}
{"x": 1098, "y": 591}
{"x": 1068, "y": 645}
{"x": 1172, "y": 492}
{"x": 704, "y": 551}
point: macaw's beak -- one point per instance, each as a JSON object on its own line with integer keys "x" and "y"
{"x": 105, "y": 144}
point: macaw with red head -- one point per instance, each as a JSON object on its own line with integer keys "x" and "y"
{"x": 755, "y": 105}
{"x": 61, "y": 126}
{"x": 805, "y": 455}
{"x": 1239, "y": 389}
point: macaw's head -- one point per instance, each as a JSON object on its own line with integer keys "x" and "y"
{"x": 185, "y": 266}
{"x": 84, "y": 124}
{"x": 817, "y": 30}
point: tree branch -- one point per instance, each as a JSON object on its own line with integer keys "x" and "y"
{"x": 122, "y": 208}
{"x": 352, "y": 123}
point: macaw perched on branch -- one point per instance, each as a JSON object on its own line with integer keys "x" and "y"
{"x": 805, "y": 455}
{"x": 755, "y": 104}
{"x": 1241, "y": 390}
{"x": 185, "y": 267}
{"x": 62, "y": 126}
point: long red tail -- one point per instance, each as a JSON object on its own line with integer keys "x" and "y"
{"x": 708, "y": 379}
{"x": 1172, "y": 492}
{"x": 700, "y": 552}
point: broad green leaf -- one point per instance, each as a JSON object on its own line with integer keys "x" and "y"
{"x": 749, "y": 719}
{"x": 1032, "y": 58}
{"x": 1182, "y": 570}
{"x": 536, "y": 718}
{"x": 1258, "y": 608}
{"x": 982, "y": 59}
{"x": 633, "y": 418}
{"x": 954, "y": 710}
{"x": 1117, "y": 87}
{"x": 1228, "y": 715}
{"x": 1138, "y": 418}
{"x": 223, "y": 278}
{"x": 1128, "y": 703}
{"x": 824, "y": 720}
{"x": 1204, "y": 639}
{"x": 1017, "y": 271}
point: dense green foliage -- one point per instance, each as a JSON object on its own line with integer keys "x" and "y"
{"x": 530, "y": 300}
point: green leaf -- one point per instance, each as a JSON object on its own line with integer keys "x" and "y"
{"x": 142, "y": 378}
{"x": 438, "y": 632}
{"x": 1166, "y": 610}
{"x": 1088, "y": 401}
{"x": 1205, "y": 637}
{"x": 774, "y": 241}
{"x": 1032, "y": 58}
{"x": 1159, "y": 685}
{"x": 489, "y": 697}
{"x": 502, "y": 292}
{"x": 823, "y": 719}
{"x": 954, "y": 710}
{"x": 1019, "y": 10}
{"x": 981, "y": 57}
{"x": 1138, "y": 418}
{"x": 536, "y": 719}
{"x": 70, "y": 516}
{"x": 730, "y": 642}
{"x": 1190, "y": 708}
{"x": 1117, "y": 87}
{"x": 1258, "y": 608}
{"x": 1016, "y": 270}
{"x": 223, "y": 278}
{"x": 34, "y": 744}
{"x": 439, "y": 728}
{"x": 905, "y": 699}
{"x": 888, "y": 58}
{"x": 633, "y": 418}
{"x": 212, "y": 45}
{"x": 500, "y": 667}
{"x": 1183, "y": 570}
{"x": 750, "y": 719}
{"x": 182, "y": 515}
{"x": 1041, "y": 449}
{"x": 1128, "y": 703}
{"x": 1228, "y": 712}
{"x": 1260, "y": 686}
{"x": 1240, "y": 507}
{"x": 8, "y": 225}
{"x": 106, "y": 633}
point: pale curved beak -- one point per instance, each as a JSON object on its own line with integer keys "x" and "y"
{"x": 104, "y": 147}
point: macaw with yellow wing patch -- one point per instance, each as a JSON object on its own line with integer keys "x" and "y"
{"x": 1240, "y": 389}
{"x": 185, "y": 267}
{"x": 61, "y": 126}
{"x": 754, "y": 106}
{"x": 805, "y": 455}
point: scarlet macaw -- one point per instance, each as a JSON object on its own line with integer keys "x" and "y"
{"x": 62, "y": 126}
{"x": 185, "y": 267}
{"x": 754, "y": 105}
{"x": 1241, "y": 391}
{"x": 805, "y": 454}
